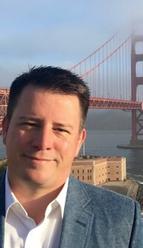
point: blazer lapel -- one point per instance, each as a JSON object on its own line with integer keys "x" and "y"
{"x": 2, "y": 207}
{"x": 78, "y": 218}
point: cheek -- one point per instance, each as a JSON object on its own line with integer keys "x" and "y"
{"x": 62, "y": 146}
{"x": 68, "y": 149}
{"x": 16, "y": 138}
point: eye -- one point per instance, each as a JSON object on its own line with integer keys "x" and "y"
{"x": 28, "y": 125}
{"x": 62, "y": 130}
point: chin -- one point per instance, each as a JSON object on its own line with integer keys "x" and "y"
{"x": 36, "y": 178}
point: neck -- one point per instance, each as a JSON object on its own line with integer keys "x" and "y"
{"x": 35, "y": 201}
{"x": 37, "y": 213}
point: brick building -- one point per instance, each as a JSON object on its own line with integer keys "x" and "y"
{"x": 99, "y": 170}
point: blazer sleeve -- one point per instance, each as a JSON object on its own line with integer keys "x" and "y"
{"x": 136, "y": 240}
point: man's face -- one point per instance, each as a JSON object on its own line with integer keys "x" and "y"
{"x": 42, "y": 138}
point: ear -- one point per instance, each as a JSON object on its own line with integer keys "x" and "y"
{"x": 5, "y": 125}
{"x": 82, "y": 138}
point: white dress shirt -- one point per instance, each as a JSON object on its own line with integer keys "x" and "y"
{"x": 21, "y": 231}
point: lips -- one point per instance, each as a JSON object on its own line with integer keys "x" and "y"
{"x": 38, "y": 158}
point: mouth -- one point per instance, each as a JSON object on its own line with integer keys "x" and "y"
{"x": 38, "y": 158}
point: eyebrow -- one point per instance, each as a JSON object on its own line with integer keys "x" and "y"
{"x": 30, "y": 118}
{"x": 63, "y": 125}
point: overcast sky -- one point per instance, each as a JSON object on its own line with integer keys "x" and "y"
{"x": 58, "y": 32}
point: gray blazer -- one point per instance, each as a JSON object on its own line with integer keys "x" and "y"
{"x": 93, "y": 218}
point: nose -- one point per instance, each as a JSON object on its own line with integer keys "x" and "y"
{"x": 43, "y": 139}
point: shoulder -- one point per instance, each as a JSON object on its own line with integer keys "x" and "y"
{"x": 2, "y": 174}
{"x": 109, "y": 200}
{"x": 113, "y": 214}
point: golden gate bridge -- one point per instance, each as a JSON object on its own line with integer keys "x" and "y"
{"x": 114, "y": 73}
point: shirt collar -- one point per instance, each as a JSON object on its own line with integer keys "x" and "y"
{"x": 10, "y": 198}
{"x": 61, "y": 197}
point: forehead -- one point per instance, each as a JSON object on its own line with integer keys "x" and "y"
{"x": 33, "y": 92}
{"x": 41, "y": 98}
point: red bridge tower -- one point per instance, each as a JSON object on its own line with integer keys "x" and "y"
{"x": 137, "y": 115}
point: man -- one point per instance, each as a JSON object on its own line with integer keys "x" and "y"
{"x": 40, "y": 205}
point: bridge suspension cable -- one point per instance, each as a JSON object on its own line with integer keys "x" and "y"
{"x": 107, "y": 70}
